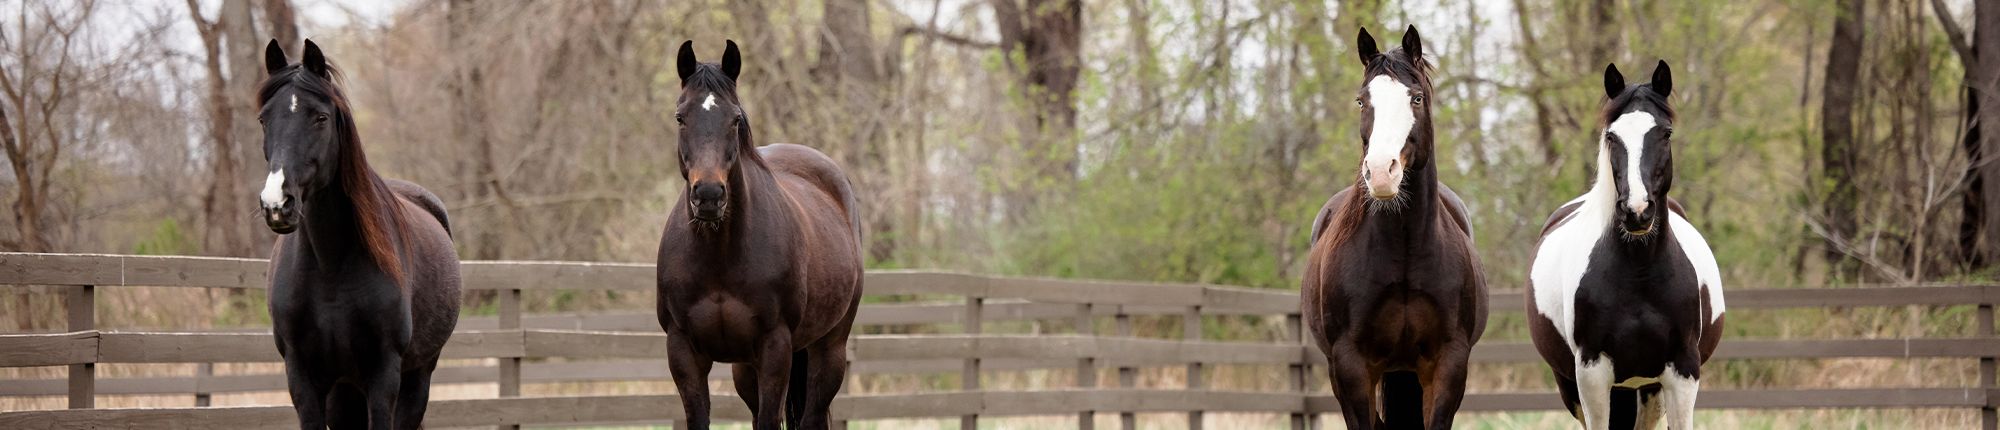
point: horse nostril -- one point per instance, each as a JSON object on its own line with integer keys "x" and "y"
{"x": 709, "y": 191}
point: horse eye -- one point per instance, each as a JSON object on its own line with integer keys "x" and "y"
{"x": 319, "y": 117}
{"x": 1417, "y": 100}
{"x": 1358, "y": 102}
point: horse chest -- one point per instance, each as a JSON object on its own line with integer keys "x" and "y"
{"x": 339, "y": 318}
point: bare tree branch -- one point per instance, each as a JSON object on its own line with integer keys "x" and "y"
{"x": 1959, "y": 42}
{"x": 941, "y": 35}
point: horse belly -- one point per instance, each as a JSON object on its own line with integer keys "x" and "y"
{"x": 1406, "y": 329}
{"x": 723, "y": 327}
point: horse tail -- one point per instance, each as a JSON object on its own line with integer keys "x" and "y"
{"x": 423, "y": 199}
{"x": 795, "y": 397}
{"x": 1625, "y": 408}
{"x": 1402, "y": 401}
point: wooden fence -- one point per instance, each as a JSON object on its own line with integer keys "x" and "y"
{"x": 629, "y": 347}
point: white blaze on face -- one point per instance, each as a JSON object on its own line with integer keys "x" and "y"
{"x": 1631, "y": 128}
{"x": 274, "y": 190}
{"x": 708, "y": 103}
{"x": 1394, "y": 118}
{"x": 295, "y": 103}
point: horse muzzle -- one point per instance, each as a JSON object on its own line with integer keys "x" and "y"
{"x": 281, "y": 218}
{"x": 1383, "y": 177}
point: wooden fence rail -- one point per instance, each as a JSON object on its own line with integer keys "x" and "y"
{"x": 629, "y": 347}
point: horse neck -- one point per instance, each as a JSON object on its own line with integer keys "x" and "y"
{"x": 1418, "y": 215}
{"x": 755, "y": 198}
{"x": 329, "y": 230}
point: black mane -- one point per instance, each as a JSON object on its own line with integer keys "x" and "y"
{"x": 1640, "y": 98}
{"x": 709, "y": 77}
{"x": 1403, "y": 67}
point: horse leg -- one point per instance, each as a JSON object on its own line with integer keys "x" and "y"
{"x": 1649, "y": 409}
{"x": 1444, "y": 386}
{"x": 414, "y": 398}
{"x": 1593, "y": 386}
{"x": 795, "y": 400}
{"x": 1567, "y": 387}
{"x": 1678, "y": 391}
{"x": 309, "y": 396}
{"x": 774, "y": 367}
{"x": 745, "y": 377}
{"x": 1354, "y": 386}
{"x": 690, "y": 371}
{"x": 347, "y": 408}
{"x": 381, "y": 390}
{"x": 828, "y": 370}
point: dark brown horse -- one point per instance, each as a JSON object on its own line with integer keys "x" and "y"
{"x": 1392, "y": 290}
{"x": 760, "y": 264}
{"x": 364, "y": 279}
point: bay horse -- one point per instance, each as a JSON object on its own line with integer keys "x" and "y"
{"x": 1625, "y": 312}
{"x": 760, "y": 263}
{"x": 1392, "y": 289}
{"x": 364, "y": 278}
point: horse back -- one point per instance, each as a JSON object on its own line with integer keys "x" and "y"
{"x": 815, "y": 168}
{"x": 421, "y": 197}
{"x": 1454, "y": 208}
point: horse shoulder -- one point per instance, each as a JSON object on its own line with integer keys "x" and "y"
{"x": 1326, "y": 211}
{"x": 1561, "y": 257}
{"x": 1701, "y": 257}
{"x": 1456, "y": 208}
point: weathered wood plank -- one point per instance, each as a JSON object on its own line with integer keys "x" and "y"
{"x": 48, "y": 349}
{"x": 595, "y": 344}
{"x": 105, "y": 270}
{"x": 154, "y": 347}
{"x": 557, "y": 275}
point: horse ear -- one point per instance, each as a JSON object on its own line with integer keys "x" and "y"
{"x": 1614, "y": 83}
{"x": 314, "y": 60}
{"x": 274, "y": 57}
{"x": 1663, "y": 79}
{"x": 732, "y": 61}
{"x": 1369, "y": 50}
{"x": 686, "y": 62}
{"x": 1413, "y": 44}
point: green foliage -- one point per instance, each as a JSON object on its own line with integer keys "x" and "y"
{"x": 167, "y": 238}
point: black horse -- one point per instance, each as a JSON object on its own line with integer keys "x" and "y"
{"x": 760, "y": 261}
{"x": 1392, "y": 290}
{"x": 364, "y": 279}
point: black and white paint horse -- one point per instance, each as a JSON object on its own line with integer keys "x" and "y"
{"x": 1625, "y": 297}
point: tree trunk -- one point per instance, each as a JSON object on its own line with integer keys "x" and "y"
{"x": 282, "y": 19}
{"x": 850, "y": 66}
{"x": 1049, "y": 35}
{"x": 1984, "y": 79}
{"x": 222, "y": 214}
{"x": 469, "y": 122}
{"x": 246, "y": 68}
{"x": 1837, "y": 152}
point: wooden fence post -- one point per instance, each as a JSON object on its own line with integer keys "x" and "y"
{"x": 1191, "y": 332}
{"x": 510, "y": 367}
{"x": 1128, "y": 377}
{"x": 970, "y": 376}
{"x": 1988, "y": 418}
{"x": 82, "y": 304}
{"x": 1295, "y": 333}
{"x": 1086, "y": 368}
{"x": 203, "y": 373}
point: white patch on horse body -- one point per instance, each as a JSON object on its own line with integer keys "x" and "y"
{"x": 1593, "y": 391}
{"x": 1677, "y": 393}
{"x": 295, "y": 103}
{"x": 1631, "y": 128}
{"x": 274, "y": 189}
{"x": 1564, "y": 254}
{"x": 1703, "y": 260}
{"x": 1393, "y": 119}
{"x": 709, "y": 103}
